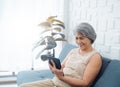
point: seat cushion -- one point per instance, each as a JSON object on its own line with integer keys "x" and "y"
{"x": 111, "y": 76}
{"x": 32, "y": 75}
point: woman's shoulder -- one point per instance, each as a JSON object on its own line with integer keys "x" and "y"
{"x": 96, "y": 55}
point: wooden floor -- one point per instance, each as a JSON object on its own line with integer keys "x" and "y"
{"x": 8, "y": 85}
{"x": 8, "y": 81}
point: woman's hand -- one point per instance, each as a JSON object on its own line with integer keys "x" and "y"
{"x": 57, "y": 72}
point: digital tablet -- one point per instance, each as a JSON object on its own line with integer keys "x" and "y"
{"x": 56, "y": 61}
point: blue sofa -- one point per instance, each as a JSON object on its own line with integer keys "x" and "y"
{"x": 109, "y": 76}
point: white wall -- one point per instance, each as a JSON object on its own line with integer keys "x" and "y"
{"x": 104, "y": 15}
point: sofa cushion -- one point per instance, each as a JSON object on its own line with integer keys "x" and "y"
{"x": 111, "y": 76}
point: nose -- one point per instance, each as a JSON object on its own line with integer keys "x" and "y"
{"x": 78, "y": 41}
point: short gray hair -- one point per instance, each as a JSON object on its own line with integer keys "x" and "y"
{"x": 87, "y": 30}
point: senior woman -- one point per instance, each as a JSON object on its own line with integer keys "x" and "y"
{"x": 81, "y": 65}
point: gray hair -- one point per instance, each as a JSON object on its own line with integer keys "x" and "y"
{"x": 87, "y": 30}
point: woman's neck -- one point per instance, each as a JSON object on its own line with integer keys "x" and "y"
{"x": 84, "y": 51}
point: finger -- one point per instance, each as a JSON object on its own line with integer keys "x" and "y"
{"x": 53, "y": 63}
{"x": 50, "y": 66}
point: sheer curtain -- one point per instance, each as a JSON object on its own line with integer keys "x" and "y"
{"x": 19, "y": 29}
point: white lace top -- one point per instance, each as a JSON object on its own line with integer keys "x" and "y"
{"x": 75, "y": 66}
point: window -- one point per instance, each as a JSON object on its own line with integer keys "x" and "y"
{"x": 19, "y": 30}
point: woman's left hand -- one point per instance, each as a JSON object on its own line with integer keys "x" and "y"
{"x": 57, "y": 72}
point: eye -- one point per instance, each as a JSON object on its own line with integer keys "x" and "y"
{"x": 81, "y": 38}
{"x": 76, "y": 38}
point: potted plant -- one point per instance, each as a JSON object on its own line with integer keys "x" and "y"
{"x": 48, "y": 41}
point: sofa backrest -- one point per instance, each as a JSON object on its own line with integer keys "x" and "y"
{"x": 111, "y": 75}
{"x": 65, "y": 50}
{"x": 105, "y": 63}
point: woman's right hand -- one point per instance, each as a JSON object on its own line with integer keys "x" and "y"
{"x": 57, "y": 72}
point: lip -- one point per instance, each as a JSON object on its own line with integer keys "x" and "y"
{"x": 81, "y": 45}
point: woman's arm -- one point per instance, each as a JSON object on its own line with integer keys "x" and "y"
{"x": 90, "y": 73}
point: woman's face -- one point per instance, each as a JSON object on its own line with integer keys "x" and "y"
{"x": 82, "y": 41}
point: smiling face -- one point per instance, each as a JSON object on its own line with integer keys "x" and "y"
{"x": 83, "y": 42}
